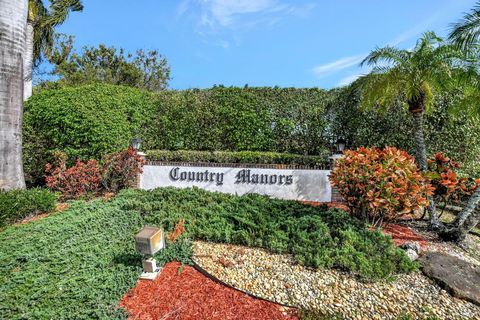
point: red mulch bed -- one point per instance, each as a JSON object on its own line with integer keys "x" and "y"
{"x": 401, "y": 234}
{"x": 191, "y": 295}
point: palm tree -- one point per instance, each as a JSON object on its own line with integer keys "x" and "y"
{"x": 41, "y": 24}
{"x": 465, "y": 34}
{"x": 414, "y": 76}
{"x": 13, "y": 20}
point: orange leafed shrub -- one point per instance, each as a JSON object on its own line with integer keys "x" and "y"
{"x": 79, "y": 180}
{"x": 380, "y": 185}
{"x": 448, "y": 186}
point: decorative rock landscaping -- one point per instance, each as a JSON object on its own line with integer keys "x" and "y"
{"x": 332, "y": 292}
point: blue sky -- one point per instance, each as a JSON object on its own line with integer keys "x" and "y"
{"x": 301, "y": 43}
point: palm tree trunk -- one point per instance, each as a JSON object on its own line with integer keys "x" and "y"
{"x": 421, "y": 158}
{"x": 13, "y": 19}
{"x": 28, "y": 62}
{"x": 465, "y": 221}
{"x": 420, "y": 148}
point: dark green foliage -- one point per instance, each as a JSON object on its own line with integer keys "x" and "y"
{"x": 181, "y": 250}
{"x": 85, "y": 122}
{"x": 91, "y": 121}
{"x": 455, "y": 134}
{"x": 147, "y": 70}
{"x": 316, "y": 236}
{"x": 238, "y": 119}
{"x": 73, "y": 265}
{"x": 16, "y": 205}
{"x": 257, "y": 157}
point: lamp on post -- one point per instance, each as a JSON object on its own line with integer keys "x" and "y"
{"x": 340, "y": 144}
{"x": 136, "y": 143}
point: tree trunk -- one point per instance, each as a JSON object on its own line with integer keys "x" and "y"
{"x": 420, "y": 148}
{"x": 13, "y": 20}
{"x": 421, "y": 158}
{"x": 28, "y": 62}
{"x": 465, "y": 221}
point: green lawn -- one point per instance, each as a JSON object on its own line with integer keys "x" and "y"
{"x": 79, "y": 263}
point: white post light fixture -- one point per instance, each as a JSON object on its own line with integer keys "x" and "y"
{"x": 136, "y": 143}
{"x": 148, "y": 242}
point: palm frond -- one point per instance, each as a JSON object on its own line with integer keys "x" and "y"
{"x": 389, "y": 55}
{"x": 59, "y": 10}
{"x": 467, "y": 31}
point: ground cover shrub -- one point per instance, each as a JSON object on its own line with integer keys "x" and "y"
{"x": 78, "y": 263}
{"x": 73, "y": 265}
{"x": 316, "y": 236}
{"x": 380, "y": 185}
{"x": 17, "y": 205}
{"x": 255, "y": 157}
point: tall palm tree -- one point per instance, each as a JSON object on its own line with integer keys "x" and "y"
{"x": 465, "y": 34}
{"x": 13, "y": 20}
{"x": 414, "y": 76}
{"x": 41, "y": 25}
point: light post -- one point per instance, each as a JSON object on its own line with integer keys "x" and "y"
{"x": 340, "y": 145}
{"x": 136, "y": 144}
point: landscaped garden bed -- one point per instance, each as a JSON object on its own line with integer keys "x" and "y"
{"x": 331, "y": 292}
{"x": 80, "y": 262}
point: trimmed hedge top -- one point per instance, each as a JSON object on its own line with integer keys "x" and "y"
{"x": 245, "y": 157}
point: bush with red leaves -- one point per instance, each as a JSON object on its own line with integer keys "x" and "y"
{"x": 449, "y": 187}
{"x": 82, "y": 179}
{"x": 120, "y": 170}
{"x": 380, "y": 185}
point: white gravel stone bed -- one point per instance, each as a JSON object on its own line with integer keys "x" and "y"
{"x": 277, "y": 278}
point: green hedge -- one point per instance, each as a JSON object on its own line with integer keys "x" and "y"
{"x": 254, "y": 157}
{"x": 93, "y": 120}
{"x": 85, "y": 122}
{"x": 16, "y": 205}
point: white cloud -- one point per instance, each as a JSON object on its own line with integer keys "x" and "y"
{"x": 349, "y": 79}
{"x": 337, "y": 65}
{"x": 228, "y": 13}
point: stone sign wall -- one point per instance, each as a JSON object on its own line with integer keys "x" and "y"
{"x": 294, "y": 184}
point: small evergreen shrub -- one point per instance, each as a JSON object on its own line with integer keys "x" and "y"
{"x": 76, "y": 264}
{"x": 380, "y": 185}
{"x": 17, "y": 205}
{"x": 254, "y": 157}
